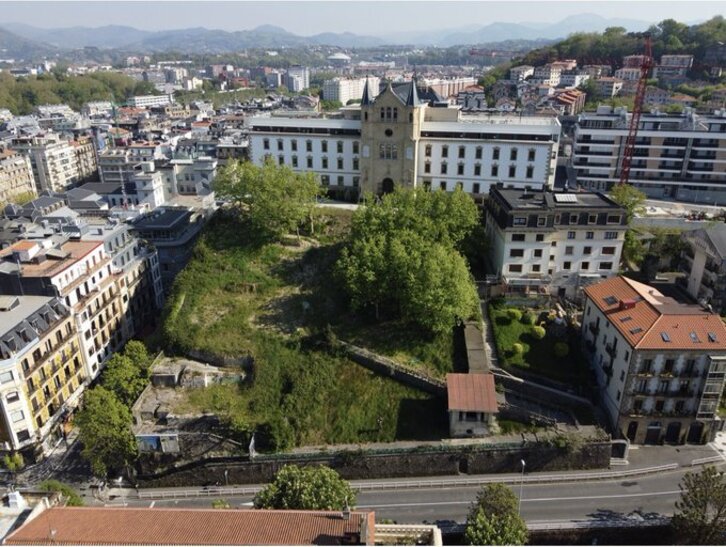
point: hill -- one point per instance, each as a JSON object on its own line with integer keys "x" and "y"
{"x": 610, "y": 46}
{"x": 16, "y": 47}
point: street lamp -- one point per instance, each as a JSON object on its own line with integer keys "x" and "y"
{"x": 521, "y": 487}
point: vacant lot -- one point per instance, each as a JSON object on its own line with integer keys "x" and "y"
{"x": 239, "y": 296}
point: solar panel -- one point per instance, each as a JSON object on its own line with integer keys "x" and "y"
{"x": 565, "y": 198}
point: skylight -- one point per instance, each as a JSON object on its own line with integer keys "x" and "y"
{"x": 694, "y": 338}
{"x": 610, "y": 300}
{"x": 636, "y": 330}
{"x": 626, "y": 319}
{"x": 665, "y": 337}
{"x": 712, "y": 337}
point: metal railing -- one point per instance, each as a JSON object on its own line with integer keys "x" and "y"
{"x": 423, "y": 483}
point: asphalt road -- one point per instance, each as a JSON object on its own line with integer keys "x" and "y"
{"x": 649, "y": 496}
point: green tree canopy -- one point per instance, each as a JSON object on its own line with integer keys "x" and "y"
{"x": 306, "y": 488}
{"x": 71, "y": 497}
{"x": 275, "y": 199}
{"x": 700, "y": 517}
{"x": 123, "y": 378}
{"x": 402, "y": 257}
{"x": 629, "y": 198}
{"x": 494, "y": 518}
{"x": 104, "y": 429}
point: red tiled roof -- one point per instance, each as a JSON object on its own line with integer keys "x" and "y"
{"x": 143, "y": 526}
{"x": 649, "y": 320}
{"x": 471, "y": 392}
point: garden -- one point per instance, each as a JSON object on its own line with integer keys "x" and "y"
{"x": 538, "y": 342}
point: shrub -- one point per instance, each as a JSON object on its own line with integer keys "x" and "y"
{"x": 514, "y": 315}
{"x": 517, "y": 349}
{"x": 538, "y": 332}
{"x": 561, "y": 349}
{"x": 68, "y": 493}
{"x": 529, "y": 318}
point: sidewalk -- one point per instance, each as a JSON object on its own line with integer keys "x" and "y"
{"x": 39, "y": 472}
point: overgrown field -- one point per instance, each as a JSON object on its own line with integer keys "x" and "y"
{"x": 240, "y": 296}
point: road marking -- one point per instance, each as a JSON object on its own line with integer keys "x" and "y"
{"x": 524, "y": 500}
{"x": 151, "y": 506}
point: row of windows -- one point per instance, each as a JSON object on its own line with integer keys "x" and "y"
{"x": 475, "y": 188}
{"x": 309, "y": 145}
{"x": 325, "y": 180}
{"x": 569, "y": 250}
{"x": 540, "y": 237}
{"x": 529, "y": 173}
{"x": 340, "y": 163}
{"x": 478, "y": 152}
{"x": 567, "y": 266}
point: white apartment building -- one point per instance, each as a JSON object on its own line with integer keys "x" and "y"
{"x": 673, "y": 67}
{"x": 347, "y": 89}
{"x": 608, "y": 87}
{"x": 520, "y": 73}
{"x": 548, "y": 74}
{"x": 447, "y": 87}
{"x": 53, "y": 160}
{"x": 553, "y": 242}
{"x": 298, "y": 78}
{"x": 141, "y": 101}
{"x": 400, "y": 138}
{"x": 572, "y": 78}
{"x": 678, "y": 157}
{"x": 97, "y": 108}
{"x": 628, "y": 74}
{"x": 660, "y": 364}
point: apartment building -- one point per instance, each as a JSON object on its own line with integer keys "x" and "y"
{"x": 673, "y": 68}
{"x": 53, "y": 159}
{"x": 193, "y": 176}
{"x": 412, "y": 138}
{"x": 347, "y": 89}
{"x": 573, "y": 78}
{"x": 85, "y": 157}
{"x": 81, "y": 274}
{"x": 172, "y": 231}
{"x": 16, "y": 176}
{"x": 95, "y": 109}
{"x": 142, "y": 101}
{"x": 628, "y": 74}
{"x": 41, "y": 372}
{"x": 297, "y": 78}
{"x": 117, "y": 165}
{"x": 660, "y": 364}
{"x": 472, "y": 98}
{"x": 679, "y": 157}
{"x": 548, "y": 74}
{"x": 553, "y": 242}
{"x": 704, "y": 263}
{"x": 520, "y": 73}
{"x": 447, "y": 87}
{"x": 608, "y": 87}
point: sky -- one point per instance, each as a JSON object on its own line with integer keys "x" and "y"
{"x": 361, "y": 17}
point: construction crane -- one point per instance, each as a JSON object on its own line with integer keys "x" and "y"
{"x": 645, "y": 67}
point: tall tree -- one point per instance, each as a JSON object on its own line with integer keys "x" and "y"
{"x": 494, "y": 518}
{"x": 104, "y": 429}
{"x": 306, "y": 488}
{"x": 700, "y": 517}
{"x": 632, "y": 200}
{"x": 274, "y": 198}
{"x": 123, "y": 378}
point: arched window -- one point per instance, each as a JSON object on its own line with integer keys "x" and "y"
{"x": 410, "y": 117}
{"x": 383, "y": 113}
{"x": 388, "y": 112}
{"x": 395, "y": 114}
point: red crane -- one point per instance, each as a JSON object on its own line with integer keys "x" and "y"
{"x": 645, "y": 67}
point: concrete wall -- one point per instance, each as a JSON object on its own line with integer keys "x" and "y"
{"x": 403, "y": 463}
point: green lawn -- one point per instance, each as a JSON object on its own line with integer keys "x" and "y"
{"x": 239, "y": 296}
{"x": 538, "y": 355}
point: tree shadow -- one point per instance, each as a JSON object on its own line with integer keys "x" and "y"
{"x": 422, "y": 420}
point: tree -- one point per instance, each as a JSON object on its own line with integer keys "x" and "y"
{"x": 306, "y": 488}
{"x": 123, "y": 378}
{"x": 139, "y": 355}
{"x": 104, "y": 429}
{"x": 494, "y": 518}
{"x": 631, "y": 199}
{"x": 700, "y": 517}
{"x": 328, "y": 106}
{"x": 274, "y": 198}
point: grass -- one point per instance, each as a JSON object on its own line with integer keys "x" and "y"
{"x": 241, "y": 296}
{"x": 537, "y": 355}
